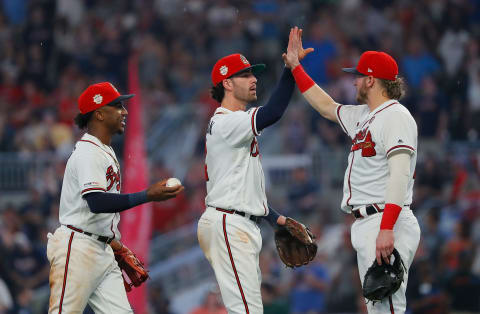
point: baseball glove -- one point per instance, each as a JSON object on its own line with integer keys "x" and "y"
{"x": 295, "y": 244}
{"x": 381, "y": 281}
{"x": 133, "y": 267}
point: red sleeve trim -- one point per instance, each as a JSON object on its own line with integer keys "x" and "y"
{"x": 303, "y": 80}
{"x": 93, "y": 189}
{"x": 390, "y": 216}
{"x": 253, "y": 122}
{"x": 340, "y": 120}
{"x": 401, "y": 146}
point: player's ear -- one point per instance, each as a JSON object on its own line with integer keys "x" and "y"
{"x": 99, "y": 115}
{"x": 370, "y": 81}
{"x": 227, "y": 84}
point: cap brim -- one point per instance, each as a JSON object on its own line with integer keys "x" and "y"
{"x": 351, "y": 70}
{"x": 121, "y": 98}
{"x": 124, "y": 97}
{"x": 256, "y": 69}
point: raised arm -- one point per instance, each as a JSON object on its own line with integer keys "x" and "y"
{"x": 280, "y": 98}
{"x": 316, "y": 96}
{"x": 278, "y": 102}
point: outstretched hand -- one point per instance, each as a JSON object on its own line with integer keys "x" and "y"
{"x": 295, "y": 52}
{"x": 160, "y": 192}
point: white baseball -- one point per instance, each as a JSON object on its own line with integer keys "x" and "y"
{"x": 173, "y": 182}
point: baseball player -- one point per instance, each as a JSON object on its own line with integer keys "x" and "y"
{"x": 227, "y": 231}
{"x": 83, "y": 268}
{"x": 379, "y": 177}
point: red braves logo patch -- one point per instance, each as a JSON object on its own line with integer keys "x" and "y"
{"x": 112, "y": 178}
{"x": 367, "y": 146}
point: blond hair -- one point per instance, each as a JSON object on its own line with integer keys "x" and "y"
{"x": 394, "y": 89}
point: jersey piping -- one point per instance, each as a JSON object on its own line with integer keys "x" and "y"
{"x": 340, "y": 120}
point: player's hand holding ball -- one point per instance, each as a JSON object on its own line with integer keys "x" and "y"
{"x": 173, "y": 182}
{"x": 164, "y": 190}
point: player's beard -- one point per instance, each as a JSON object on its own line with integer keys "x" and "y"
{"x": 362, "y": 93}
{"x": 244, "y": 94}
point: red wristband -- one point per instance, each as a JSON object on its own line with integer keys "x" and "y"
{"x": 304, "y": 82}
{"x": 390, "y": 216}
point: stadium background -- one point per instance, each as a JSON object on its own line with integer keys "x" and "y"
{"x": 50, "y": 50}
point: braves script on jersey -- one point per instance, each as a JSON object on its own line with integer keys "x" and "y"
{"x": 235, "y": 178}
{"x": 375, "y": 135}
{"x": 83, "y": 268}
{"x": 92, "y": 167}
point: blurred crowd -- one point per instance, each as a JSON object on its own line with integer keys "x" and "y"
{"x": 50, "y": 50}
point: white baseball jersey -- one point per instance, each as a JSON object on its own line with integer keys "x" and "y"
{"x": 235, "y": 178}
{"x": 92, "y": 167}
{"x": 375, "y": 135}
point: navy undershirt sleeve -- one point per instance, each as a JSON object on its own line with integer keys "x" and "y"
{"x": 272, "y": 217}
{"x": 100, "y": 202}
{"x": 278, "y": 102}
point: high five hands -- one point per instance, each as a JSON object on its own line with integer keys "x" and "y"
{"x": 295, "y": 52}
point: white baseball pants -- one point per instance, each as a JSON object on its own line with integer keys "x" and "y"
{"x": 407, "y": 236}
{"x": 83, "y": 270}
{"x": 232, "y": 245}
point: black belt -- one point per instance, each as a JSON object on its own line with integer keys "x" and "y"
{"x": 370, "y": 210}
{"x": 255, "y": 219}
{"x": 100, "y": 238}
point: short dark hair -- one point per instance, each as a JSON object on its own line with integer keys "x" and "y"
{"x": 394, "y": 89}
{"x": 218, "y": 92}
{"x": 81, "y": 120}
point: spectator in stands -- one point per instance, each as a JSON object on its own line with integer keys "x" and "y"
{"x": 212, "y": 303}
{"x": 432, "y": 237}
{"x": 463, "y": 286}
{"x": 318, "y": 37}
{"x": 302, "y": 194}
{"x": 461, "y": 242}
{"x": 344, "y": 286}
{"x": 417, "y": 63}
{"x": 424, "y": 292}
{"x": 159, "y": 303}
{"x": 309, "y": 287}
{"x": 430, "y": 180}
{"x": 273, "y": 303}
{"x": 431, "y": 111}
